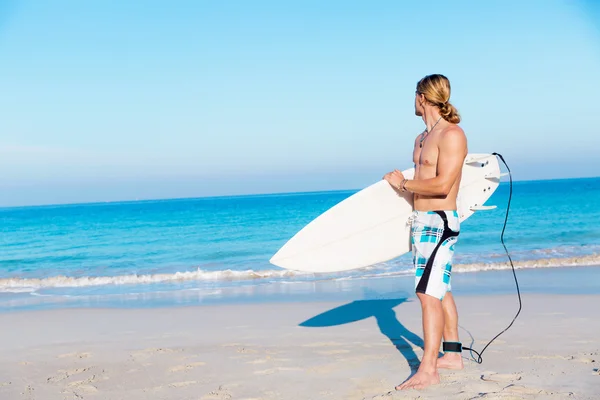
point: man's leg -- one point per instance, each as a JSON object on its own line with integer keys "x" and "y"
{"x": 433, "y": 327}
{"x": 450, "y": 360}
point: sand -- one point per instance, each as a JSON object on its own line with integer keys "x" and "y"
{"x": 314, "y": 350}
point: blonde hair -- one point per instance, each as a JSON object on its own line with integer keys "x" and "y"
{"x": 436, "y": 89}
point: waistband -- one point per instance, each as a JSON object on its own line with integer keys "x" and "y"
{"x": 452, "y": 213}
{"x": 431, "y": 216}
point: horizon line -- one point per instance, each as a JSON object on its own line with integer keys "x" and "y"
{"x": 307, "y": 192}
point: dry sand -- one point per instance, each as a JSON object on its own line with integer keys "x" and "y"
{"x": 359, "y": 350}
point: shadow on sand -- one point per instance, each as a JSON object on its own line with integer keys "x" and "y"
{"x": 384, "y": 314}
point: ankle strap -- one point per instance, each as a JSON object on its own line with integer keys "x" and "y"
{"x": 452, "y": 347}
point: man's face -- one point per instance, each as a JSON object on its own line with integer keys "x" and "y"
{"x": 419, "y": 99}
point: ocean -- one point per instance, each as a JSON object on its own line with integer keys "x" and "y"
{"x": 191, "y": 251}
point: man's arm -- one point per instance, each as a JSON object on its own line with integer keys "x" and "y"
{"x": 451, "y": 157}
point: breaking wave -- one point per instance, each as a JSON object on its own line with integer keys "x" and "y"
{"x": 21, "y": 284}
{"x": 579, "y": 261}
{"x": 24, "y": 285}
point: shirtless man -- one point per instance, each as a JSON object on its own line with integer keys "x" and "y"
{"x": 438, "y": 156}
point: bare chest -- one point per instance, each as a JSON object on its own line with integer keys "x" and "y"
{"x": 425, "y": 156}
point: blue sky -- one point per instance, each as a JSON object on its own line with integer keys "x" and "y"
{"x": 121, "y": 100}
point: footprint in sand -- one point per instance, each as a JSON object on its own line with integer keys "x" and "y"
{"x": 187, "y": 367}
{"x": 454, "y": 377}
{"x": 482, "y": 387}
{"x": 324, "y": 369}
{"x": 322, "y": 344}
{"x": 259, "y": 361}
{"x": 29, "y": 392}
{"x": 498, "y": 390}
{"x": 273, "y": 370}
{"x": 245, "y": 350}
{"x": 220, "y": 394}
{"x": 541, "y": 357}
{"x": 161, "y": 350}
{"x": 266, "y": 371}
{"x": 83, "y": 382}
{"x": 81, "y": 387}
{"x": 380, "y": 396}
{"x": 75, "y": 355}
{"x": 523, "y": 390}
{"x": 269, "y": 359}
{"x": 586, "y": 360}
{"x": 493, "y": 377}
{"x": 182, "y": 384}
{"x": 241, "y": 348}
{"x": 5, "y": 384}
{"x": 64, "y": 374}
{"x": 191, "y": 357}
{"x": 147, "y": 353}
{"x": 333, "y": 352}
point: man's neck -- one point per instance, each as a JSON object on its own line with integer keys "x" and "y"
{"x": 430, "y": 117}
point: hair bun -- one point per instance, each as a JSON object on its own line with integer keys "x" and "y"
{"x": 436, "y": 89}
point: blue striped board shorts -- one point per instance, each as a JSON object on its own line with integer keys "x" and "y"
{"x": 433, "y": 236}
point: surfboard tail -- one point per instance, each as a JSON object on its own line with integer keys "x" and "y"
{"x": 482, "y": 208}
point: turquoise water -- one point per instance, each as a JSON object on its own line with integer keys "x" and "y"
{"x": 210, "y": 246}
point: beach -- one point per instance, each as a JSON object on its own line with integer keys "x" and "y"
{"x": 176, "y": 299}
{"x": 335, "y": 349}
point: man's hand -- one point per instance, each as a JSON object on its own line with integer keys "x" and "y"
{"x": 394, "y": 178}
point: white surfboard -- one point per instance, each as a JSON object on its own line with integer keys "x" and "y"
{"x": 371, "y": 226}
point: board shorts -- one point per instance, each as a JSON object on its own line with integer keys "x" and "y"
{"x": 433, "y": 236}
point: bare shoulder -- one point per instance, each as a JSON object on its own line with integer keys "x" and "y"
{"x": 453, "y": 131}
{"x": 453, "y": 143}
{"x": 454, "y": 136}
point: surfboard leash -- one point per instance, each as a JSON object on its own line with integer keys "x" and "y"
{"x": 479, "y": 359}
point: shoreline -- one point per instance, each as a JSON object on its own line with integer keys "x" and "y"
{"x": 555, "y": 280}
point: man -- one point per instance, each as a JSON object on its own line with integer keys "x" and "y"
{"x": 438, "y": 155}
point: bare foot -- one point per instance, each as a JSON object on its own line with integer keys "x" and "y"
{"x": 420, "y": 380}
{"x": 450, "y": 361}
